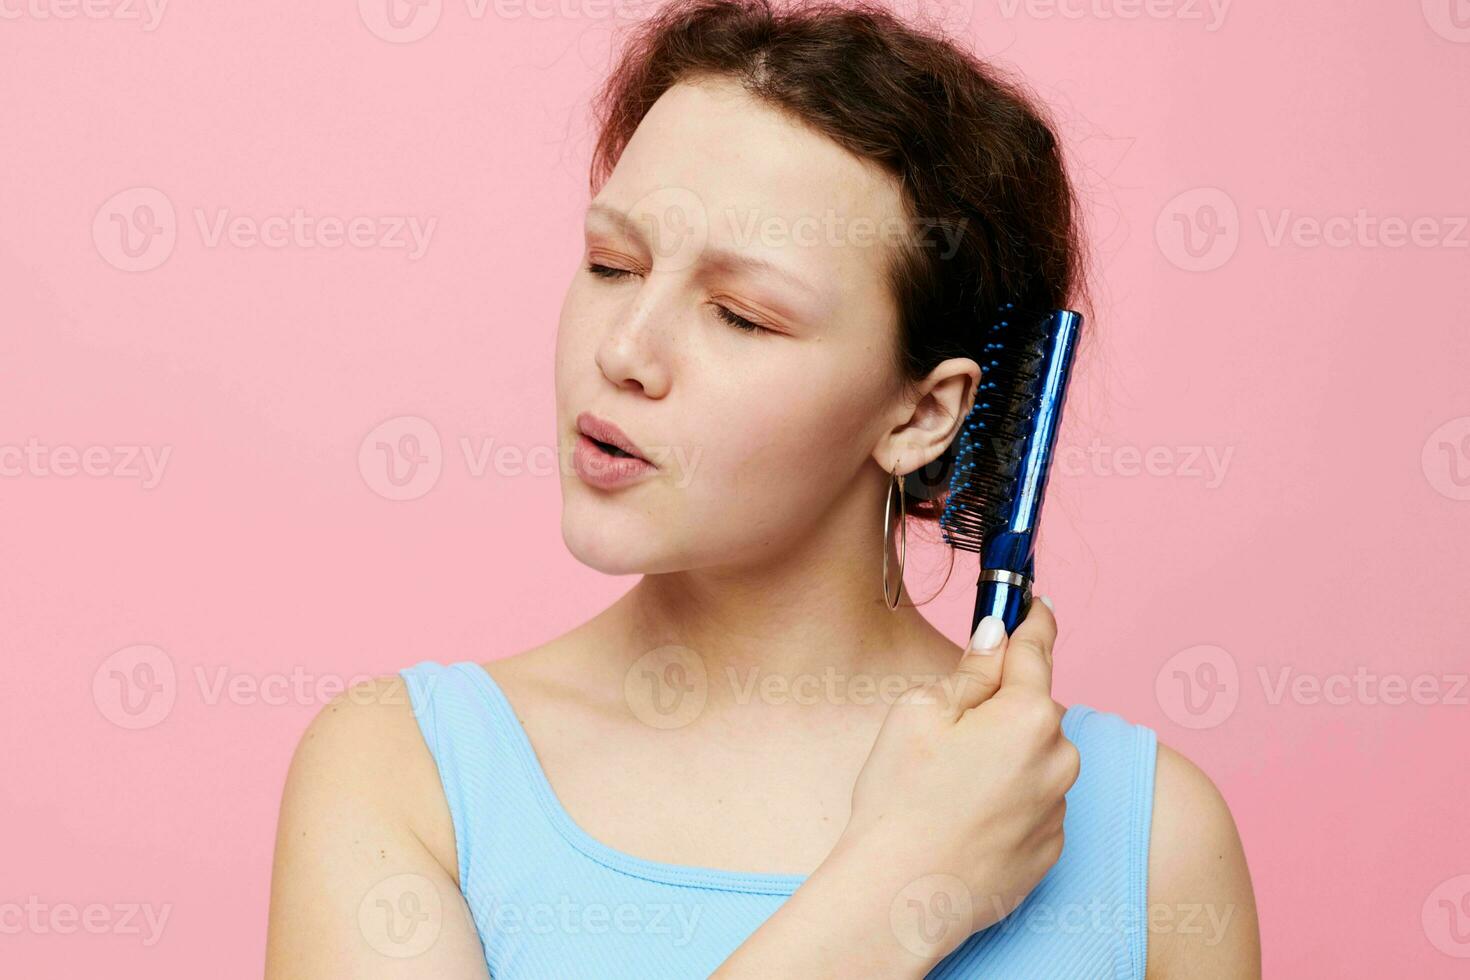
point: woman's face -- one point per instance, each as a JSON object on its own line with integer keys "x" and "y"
{"x": 719, "y": 201}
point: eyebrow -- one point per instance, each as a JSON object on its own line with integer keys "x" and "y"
{"x": 714, "y": 256}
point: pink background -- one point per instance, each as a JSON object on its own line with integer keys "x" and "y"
{"x": 1330, "y": 379}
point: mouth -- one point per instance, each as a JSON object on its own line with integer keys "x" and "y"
{"x": 609, "y": 438}
{"x": 612, "y": 450}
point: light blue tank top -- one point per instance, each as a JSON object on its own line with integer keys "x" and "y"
{"x": 550, "y": 901}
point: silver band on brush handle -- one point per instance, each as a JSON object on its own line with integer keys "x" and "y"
{"x": 1001, "y": 575}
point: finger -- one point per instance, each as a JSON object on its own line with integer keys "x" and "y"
{"x": 1028, "y": 654}
{"x": 978, "y": 675}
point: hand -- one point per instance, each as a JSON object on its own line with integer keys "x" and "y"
{"x": 958, "y": 809}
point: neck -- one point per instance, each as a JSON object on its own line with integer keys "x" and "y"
{"x": 798, "y": 618}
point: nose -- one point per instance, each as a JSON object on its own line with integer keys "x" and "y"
{"x": 634, "y": 351}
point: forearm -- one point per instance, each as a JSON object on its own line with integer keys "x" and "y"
{"x": 839, "y": 923}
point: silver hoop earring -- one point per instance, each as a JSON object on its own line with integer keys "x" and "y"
{"x": 896, "y": 478}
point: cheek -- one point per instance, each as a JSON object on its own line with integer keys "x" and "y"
{"x": 785, "y": 441}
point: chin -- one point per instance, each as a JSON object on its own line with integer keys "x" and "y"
{"x": 609, "y": 542}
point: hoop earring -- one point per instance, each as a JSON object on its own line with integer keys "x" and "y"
{"x": 896, "y": 477}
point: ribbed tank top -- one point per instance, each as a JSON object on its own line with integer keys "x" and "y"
{"x": 551, "y": 901}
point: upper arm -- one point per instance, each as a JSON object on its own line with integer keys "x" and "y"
{"x": 1201, "y": 909}
{"x": 355, "y": 890}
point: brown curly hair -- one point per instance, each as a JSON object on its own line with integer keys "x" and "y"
{"x": 971, "y": 149}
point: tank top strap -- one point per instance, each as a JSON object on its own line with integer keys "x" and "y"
{"x": 477, "y": 743}
{"x": 1087, "y": 917}
{"x": 1109, "y": 835}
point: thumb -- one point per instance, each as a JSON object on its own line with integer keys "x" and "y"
{"x": 978, "y": 675}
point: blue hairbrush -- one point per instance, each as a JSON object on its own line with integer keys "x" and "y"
{"x": 1002, "y": 457}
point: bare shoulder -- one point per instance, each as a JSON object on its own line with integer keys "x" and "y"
{"x": 364, "y": 752}
{"x": 1202, "y": 911}
{"x": 364, "y": 828}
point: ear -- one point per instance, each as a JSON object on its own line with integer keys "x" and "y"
{"x": 925, "y": 426}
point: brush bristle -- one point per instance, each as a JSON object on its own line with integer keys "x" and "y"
{"x": 992, "y": 441}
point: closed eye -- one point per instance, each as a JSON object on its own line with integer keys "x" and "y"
{"x": 606, "y": 271}
{"x": 724, "y": 313}
{"x": 737, "y": 321}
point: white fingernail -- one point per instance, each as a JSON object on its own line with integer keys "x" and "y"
{"x": 1047, "y": 601}
{"x": 988, "y": 634}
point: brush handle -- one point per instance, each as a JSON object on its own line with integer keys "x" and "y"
{"x": 1004, "y": 594}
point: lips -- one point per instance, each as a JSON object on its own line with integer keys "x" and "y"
{"x": 601, "y": 430}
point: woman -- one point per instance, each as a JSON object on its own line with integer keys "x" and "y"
{"x": 750, "y": 765}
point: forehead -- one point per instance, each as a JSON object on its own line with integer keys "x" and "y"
{"x": 762, "y": 184}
